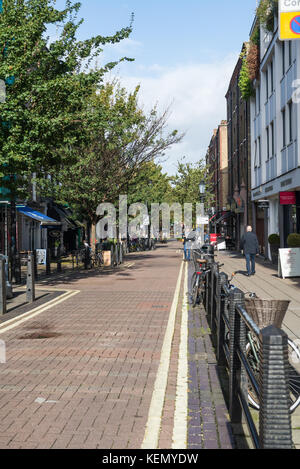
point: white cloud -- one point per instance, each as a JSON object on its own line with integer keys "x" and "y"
{"x": 196, "y": 93}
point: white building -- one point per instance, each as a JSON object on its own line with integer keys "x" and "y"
{"x": 275, "y": 142}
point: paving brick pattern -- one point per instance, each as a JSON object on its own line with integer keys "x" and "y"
{"x": 95, "y": 377}
{"x": 208, "y": 424}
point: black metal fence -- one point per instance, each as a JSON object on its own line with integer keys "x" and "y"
{"x": 230, "y": 323}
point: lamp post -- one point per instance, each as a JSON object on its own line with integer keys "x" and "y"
{"x": 202, "y": 188}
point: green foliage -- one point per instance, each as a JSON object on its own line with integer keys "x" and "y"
{"x": 187, "y": 180}
{"x": 45, "y": 106}
{"x": 255, "y": 38}
{"x": 293, "y": 240}
{"x": 245, "y": 83}
{"x": 150, "y": 185}
{"x": 118, "y": 139}
{"x": 266, "y": 12}
{"x": 274, "y": 239}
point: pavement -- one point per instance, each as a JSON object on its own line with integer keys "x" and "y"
{"x": 268, "y": 285}
{"x": 117, "y": 359}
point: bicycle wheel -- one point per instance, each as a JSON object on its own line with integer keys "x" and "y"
{"x": 293, "y": 373}
{"x": 195, "y": 288}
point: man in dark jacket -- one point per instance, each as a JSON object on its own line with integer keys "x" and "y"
{"x": 250, "y": 246}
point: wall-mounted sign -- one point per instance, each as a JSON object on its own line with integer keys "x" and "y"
{"x": 289, "y": 19}
{"x": 54, "y": 234}
{"x": 263, "y": 204}
{"x": 41, "y": 256}
{"x": 287, "y": 198}
{"x": 202, "y": 220}
{"x": 289, "y": 262}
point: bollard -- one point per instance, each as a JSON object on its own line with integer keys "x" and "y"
{"x": 2, "y": 287}
{"x": 112, "y": 255}
{"x": 121, "y": 253}
{"x": 274, "y": 415}
{"x": 18, "y": 278}
{"x": 59, "y": 264}
{"x": 48, "y": 263}
{"x": 30, "y": 287}
{"x": 117, "y": 254}
{"x": 35, "y": 264}
{"x": 220, "y": 323}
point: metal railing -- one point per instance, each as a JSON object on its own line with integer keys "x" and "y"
{"x": 230, "y": 323}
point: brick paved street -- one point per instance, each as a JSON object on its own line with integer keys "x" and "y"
{"x": 81, "y": 374}
{"x": 119, "y": 359}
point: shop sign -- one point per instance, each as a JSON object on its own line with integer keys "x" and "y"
{"x": 287, "y": 198}
{"x": 289, "y": 262}
{"x": 263, "y": 204}
{"x": 54, "y": 234}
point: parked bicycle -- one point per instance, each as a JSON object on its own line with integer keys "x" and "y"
{"x": 253, "y": 354}
{"x": 202, "y": 265}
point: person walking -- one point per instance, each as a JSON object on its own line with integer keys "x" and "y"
{"x": 187, "y": 248}
{"x": 250, "y": 246}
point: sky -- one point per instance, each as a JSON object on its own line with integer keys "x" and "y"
{"x": 185, "y": 53}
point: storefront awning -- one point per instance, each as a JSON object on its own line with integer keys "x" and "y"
{"x": 37, "y": 216}
{"x": 223, "y": 217}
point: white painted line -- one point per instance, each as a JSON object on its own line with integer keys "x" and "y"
{"x": 151, "y": 436}
{"x": 10, "y": 321}
{"x": 6, "y": 326}
{"x": 179, "y": 440}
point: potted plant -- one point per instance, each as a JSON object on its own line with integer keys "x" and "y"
{"x": 293, "y": 240}
{"x": 274, "y": 241}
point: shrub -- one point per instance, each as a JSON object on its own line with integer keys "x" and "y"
{"x": 245, "y": 83}
{"x": 293, "y": 240}
{"x": 274, "y": 239}
{"x": 266, "y": 12}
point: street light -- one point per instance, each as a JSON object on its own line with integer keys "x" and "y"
{"x": 202, "y": 187}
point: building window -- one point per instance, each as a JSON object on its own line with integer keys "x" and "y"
{"x": 267, "y": 84}
{"x": 257, "y": 153}
{"x": 268, "y": 144}
{"x": 257, "y": 101}
{"x": 283, "y": 57}
{"x": 290, "y": 106}
{"x": 283, "y": 128}
{"x": 272, "y": 76}
{"x": 290, "y": 53}
{"x": 272, "y": 139}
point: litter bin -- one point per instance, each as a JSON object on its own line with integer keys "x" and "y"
{"x": 9, "y": 292}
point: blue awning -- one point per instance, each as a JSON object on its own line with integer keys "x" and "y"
{"x": 37, "y": 216}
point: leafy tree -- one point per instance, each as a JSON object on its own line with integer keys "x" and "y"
{"x": 187, "y": 180}
{"x": 47, "y": 85}
{"x": 150, "y": 185}
{"x": 119, "y": 138}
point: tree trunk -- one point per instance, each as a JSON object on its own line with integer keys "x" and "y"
{"x": 93, "y": 240}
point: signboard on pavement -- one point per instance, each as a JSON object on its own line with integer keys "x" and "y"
{"x": 41, "y": 256}
{"x": 289, "y": 19}
{"x": 289, "y": 262}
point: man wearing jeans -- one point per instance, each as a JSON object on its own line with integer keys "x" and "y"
{"x": 250, "y": 246}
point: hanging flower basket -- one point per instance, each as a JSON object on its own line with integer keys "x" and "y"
{"x": 267, "y": 312}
